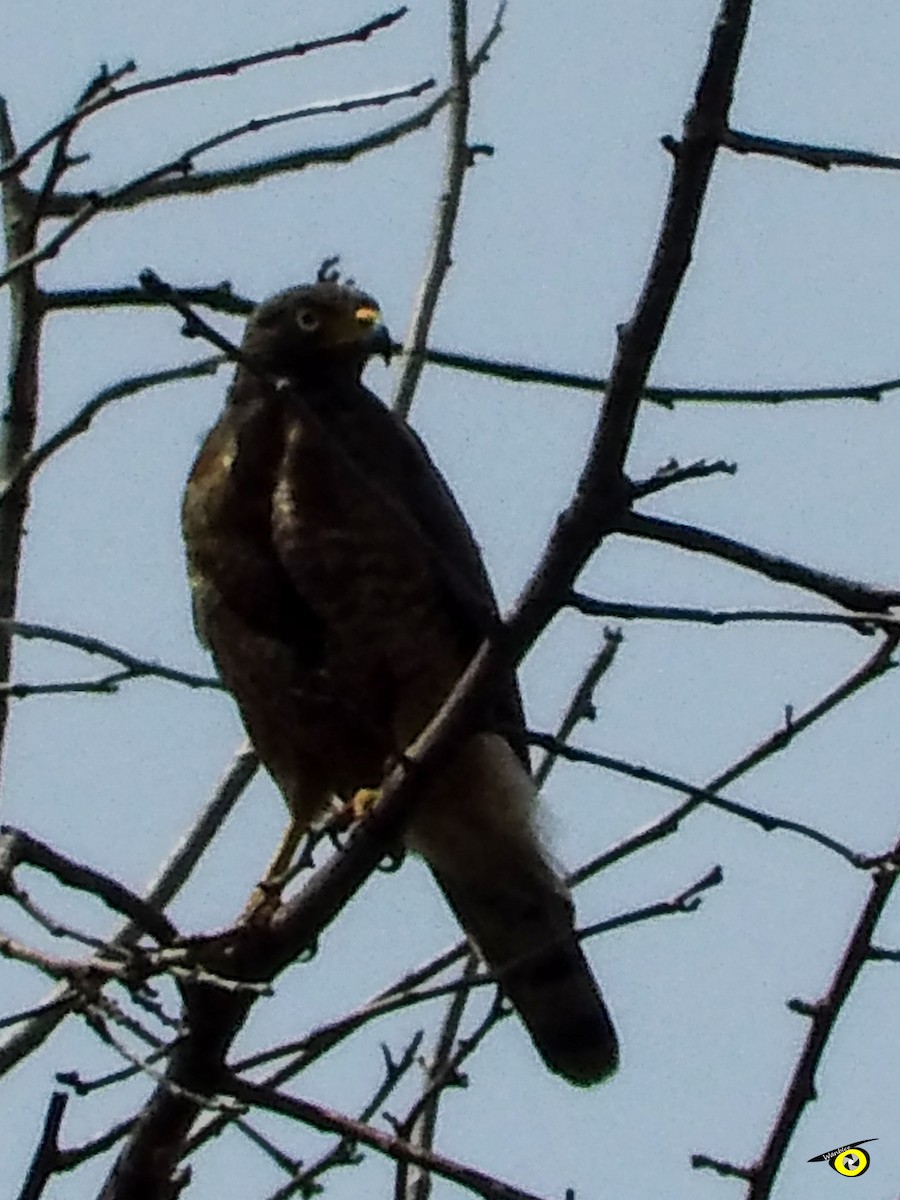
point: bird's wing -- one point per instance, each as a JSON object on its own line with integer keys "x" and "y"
{"x": 398, "y": 467}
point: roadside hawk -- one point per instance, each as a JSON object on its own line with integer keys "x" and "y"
{"x": 342, "y": 595}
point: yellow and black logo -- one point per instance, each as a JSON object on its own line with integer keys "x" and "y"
{"x": 849, "y": 1160}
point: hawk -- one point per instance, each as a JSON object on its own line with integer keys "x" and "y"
{"x": 342, "y": 594}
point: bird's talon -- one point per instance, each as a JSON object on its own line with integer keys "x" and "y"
{"x": 263, "y": 904}
{"x": 362, "y": 802}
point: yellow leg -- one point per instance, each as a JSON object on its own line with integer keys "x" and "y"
{"x": 362, "y": 802}
{"x": 266, "y": 895}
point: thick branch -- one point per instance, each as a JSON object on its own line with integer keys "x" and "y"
{"x": 21, "y": 411}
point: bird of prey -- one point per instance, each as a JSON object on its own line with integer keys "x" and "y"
{"x": 342, "y": 594}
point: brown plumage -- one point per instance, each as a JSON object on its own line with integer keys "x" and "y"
{"x": 342, "y": 594}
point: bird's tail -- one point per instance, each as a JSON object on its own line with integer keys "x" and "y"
{"x": 477, "y": 836}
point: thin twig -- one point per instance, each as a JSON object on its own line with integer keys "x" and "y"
{"x": 31, "y": 463}
{"x": 823, "y": 1016}
{"x": 69, "y": 1159}
{"x": 672, "y": 473}
{"x": 858, "y": 597}
{"x": 862, "y": 622}
{"x": 581, "y": 706}
{"x": 344, "y": 1152}
{"x": 17, "y": 847}
{"x": 823, "y": 158}
{"x": 765, "y": 821}
{"x": 873, "y": 668}
{"x": 171, "y": 878}
{"x": 109, "y": 94}
{"x": 43, "y": 1009}
{"x": 329, "y": 1121}
{"x": 181, "y": 167}
{"x": 457, "y": 159}
{"x": 203, "y": 182}
{"x": 420, "y": 1123}
{"x": 107, "y": 685}
{"x": 134, "y": 667}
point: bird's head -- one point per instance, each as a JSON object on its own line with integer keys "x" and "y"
{"x": 325, "y": 325}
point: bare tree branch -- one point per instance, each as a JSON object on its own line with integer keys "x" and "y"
{"x": 873, "y": 668}
{"x": 171, "y": 878}
{"x": 46, "y": 1156}
{"x": 762, "y": 820}
{"x": 823, "y": 158}
{"x": 17, "y": 847}
{"x": 344, "y": 1153}
{"x": 672, "y": 473}
{"x": 134, "y": 667}
{"x": 862, "y": 622}
{"x": 145, "y": 186}
{"x": 823, "y": 1015}
{"x": 203, "y": 182}
{"x": 457, "y": 159}
{"x": 21, "y": 409}
{"x": 420, "y": 1124}
{"x": 329, "y": 1121}
{"x": 858, "y": 597}
{"x": 32, "y": 462}
{"x": 103, "y": 92}
{"x": 581, "y": 706}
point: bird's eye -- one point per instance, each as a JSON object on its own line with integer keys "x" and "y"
{"x": 307, "y": 320}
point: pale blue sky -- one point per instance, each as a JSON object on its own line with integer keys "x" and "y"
{"x": 795, "y": 282}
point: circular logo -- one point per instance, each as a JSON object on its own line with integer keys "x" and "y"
{"x": 851, "y": 1162}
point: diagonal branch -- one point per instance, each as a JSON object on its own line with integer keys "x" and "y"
{"x": 32, "y": 462}
{"x": 823, "y": 1015}
{"x": 595, "y": 510}
{"x": 762, "y": 820}
{"x": 135, "y": 667}
{"x": 181, "y": 168}
{"x": 457, "y": 159}
{"x": 329, "y": 1121}
{"x": 71, "y": 204}
{"x": 823, "y": 158}
{"x": 103, "y": 92}
{"x": 46, "y": 1157}
{"x": 858, "y": 597}
{"x": 873, "y": 668}
{"x": 17, "y": 847}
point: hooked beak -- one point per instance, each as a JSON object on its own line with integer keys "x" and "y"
{"x": 381, "y": 343}
{"x": 376, "y": 338}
